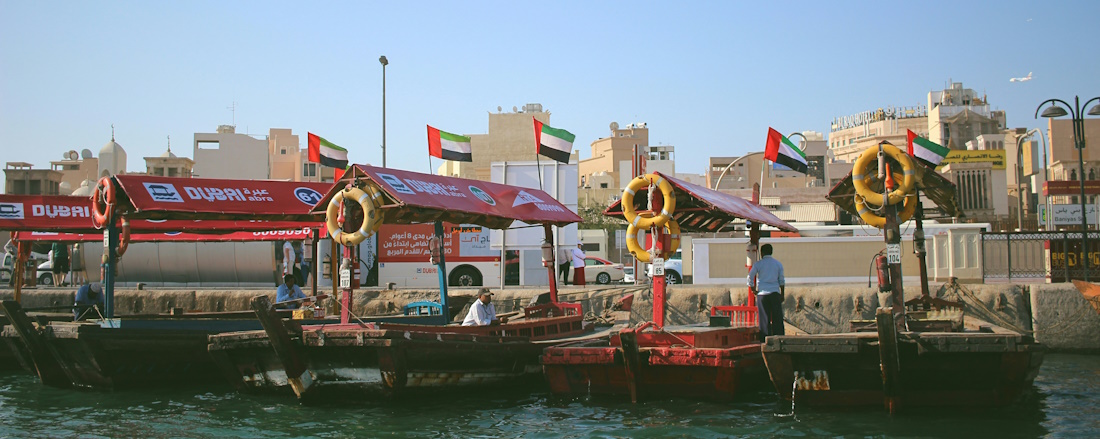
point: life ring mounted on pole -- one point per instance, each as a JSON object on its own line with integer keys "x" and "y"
{"x": 368, "y": 200}
{"x": 103, "y": 202}
{"x": 860, "y": 176}
{"x": 641, "y": 221}
{"x": 878, "y": 221}
{"x": 672, "y": 228}
{"x": 124, "y": 238}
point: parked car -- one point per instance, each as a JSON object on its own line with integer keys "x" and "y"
{"x": 602, "y": 271}
{"x": 674, "y": 269}
{"x": 628, "y": 275}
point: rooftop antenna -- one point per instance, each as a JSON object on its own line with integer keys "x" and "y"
{"x": 169, "y": 145}
{"x": 233, "y": 108}
{"x": 112, "y": 132}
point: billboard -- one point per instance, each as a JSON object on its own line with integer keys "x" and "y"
{"x": 994, "y": 156}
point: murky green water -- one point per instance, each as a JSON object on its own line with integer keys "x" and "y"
{"x": 1065, "y": 403}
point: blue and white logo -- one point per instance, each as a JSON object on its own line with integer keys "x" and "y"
{"x": 11, "y": 211}
{"x": 396, "y": 183}
{"x": 308, "y": 196}
{"x": 164, "y": 192}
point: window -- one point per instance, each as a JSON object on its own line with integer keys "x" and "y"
{"x": 1073, "y": 174}
{"x": 309, "y": 169}
{"x": 282, "y": 151}
{"x": 208, "y": 144}
{"x": 172, "y": 172}
{"x": 603, "y": 185}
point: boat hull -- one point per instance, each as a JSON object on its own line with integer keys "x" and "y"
{"x": 937, "y": 369}
{"x": 720, "y": 370}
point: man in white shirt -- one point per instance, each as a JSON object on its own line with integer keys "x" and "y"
{"x": 482, "y": 312}
{"x": 766, "y": 277}
{"x": 578, "y": 265}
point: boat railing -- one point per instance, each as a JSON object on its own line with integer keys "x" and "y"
{"x": 740, "y": 315}
{"x": 424, "y": 308}
{"x": 552, "y": 310}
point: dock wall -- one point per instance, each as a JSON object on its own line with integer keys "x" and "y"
{"x": 1056, "y": 314}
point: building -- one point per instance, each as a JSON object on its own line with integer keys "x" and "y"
{"x": 1065, "y": 165}
{"x": 511, "y": 138}
{"x": 168, "y": 165}
{"x": 76, "y": 170}
{"x": 22, "y": 179}
{"x": 614, "y": 155}
{"x": 112, "y": 158}
{"x": 226, "y": 154}
{"x": 850, "y": 135}
{"x": 956, "y": 115}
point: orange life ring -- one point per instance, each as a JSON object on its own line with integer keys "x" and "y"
{"x": 103, "y": 202}
{"x": 124, "y": 238}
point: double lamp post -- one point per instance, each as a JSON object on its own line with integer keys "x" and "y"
{"x": 1077, "y": 115}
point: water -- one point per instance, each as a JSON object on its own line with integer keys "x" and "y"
{"x": 1063, "y": 403}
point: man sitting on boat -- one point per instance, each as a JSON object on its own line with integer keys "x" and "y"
{"x": 88, "y": 296}
{"x": 289, "y": 291}
{"x": 482, "y": 312}
{"x": 766, "y": 277}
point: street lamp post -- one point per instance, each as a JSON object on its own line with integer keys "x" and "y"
{"x": 385, "y": 62}
{"x": 1020, "y": 178}
{"x": 1079, "y": 142}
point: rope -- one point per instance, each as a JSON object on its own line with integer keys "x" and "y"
{"x": 1060, "y": 328}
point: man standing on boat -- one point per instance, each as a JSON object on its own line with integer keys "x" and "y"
{"x": 289, "y": 291}
{"x": 578, "y": 265}
{"x": 482, "y": 312}
{"x": 766, "y": 278}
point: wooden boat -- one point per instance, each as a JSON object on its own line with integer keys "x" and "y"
{"x": 365, "y": 360}
{"x": 657, "y": 361}
{"x": 923, "y": 352}
{"x": 979, "y": 365}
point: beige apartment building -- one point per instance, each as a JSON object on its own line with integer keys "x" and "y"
{"x": 1063, "y": 162}
{"x": 851, "y": 135}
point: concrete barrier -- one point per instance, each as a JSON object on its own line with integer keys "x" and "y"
{"x": 1063, "y": 320}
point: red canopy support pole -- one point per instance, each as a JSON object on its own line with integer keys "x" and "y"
{"x": 659, "y": 299}
{"x": 550, "y": 266}
{"x": 752, "y": 253}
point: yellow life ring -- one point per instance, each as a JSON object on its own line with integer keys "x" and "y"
{"x": 371, "y": 218}
{"x": 637, "y": 184}
{"x": 860, "y": 177}
{"x": 871, "y": 219}
{"x": 376, "y": 199}
{"x": 641, "y": 254}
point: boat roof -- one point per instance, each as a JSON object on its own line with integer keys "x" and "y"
{"x": 413, "y": 197}
{"x": 154, "y": 197}
{"x": 935, "y": 187}
{"x": 700, "y": 209}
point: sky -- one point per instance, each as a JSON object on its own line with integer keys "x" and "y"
{"x": 707, "y": 77}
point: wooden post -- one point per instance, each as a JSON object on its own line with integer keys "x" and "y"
{"x": 897, "y": 294}
{"x": 919, "y": 246}
{"x": 297, "y": 374}
{"x": 628, "y": 339}
{"x": 888, "y": 358}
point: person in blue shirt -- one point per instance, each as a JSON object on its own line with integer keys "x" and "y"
{"x": 87, "y": 296}
{"x": 766, "y": 278}
{"x": 289, "y": 291}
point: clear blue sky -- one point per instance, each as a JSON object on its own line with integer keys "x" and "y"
{"x": 708, "y": 77}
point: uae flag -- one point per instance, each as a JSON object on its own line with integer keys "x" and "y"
{"x": 326, "y": 153}
{"x": 448, "y": 146}
{"x": 926, "y": 151}
{"x": 552, "y": 142}
{"x": 781, "y": 151}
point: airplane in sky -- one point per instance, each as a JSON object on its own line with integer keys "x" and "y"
{"x": 1024, "y": 79}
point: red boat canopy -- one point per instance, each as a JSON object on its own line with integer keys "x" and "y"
{"x": 152, "y": 197}
{"x": 68, "y": 214}
{"x": 425, "y": 198}
{"x": 699, "y": 209}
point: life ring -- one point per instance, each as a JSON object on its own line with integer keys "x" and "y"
{"x": 637, "y": 184}
{"x": 376, "y": 199}
{"x": 871, "y": 219}
{"x": 641, "y": 254}
{"x": 124, "y": 237}
{"x": 860, "y": 177}
{"x": 370, "y": 217}
{"x": 103, "y": 202}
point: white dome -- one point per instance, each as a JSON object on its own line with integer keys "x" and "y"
{"x": 85, "y": 189}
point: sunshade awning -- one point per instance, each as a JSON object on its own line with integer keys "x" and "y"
{"x": 69, "y": 214}
{"x": 413, "y": 197}
{"x": 935, "y": 187}
{"x": 152, "y": 197}
{"x": 267, "y": 235}
{"x": 699, "y": 209}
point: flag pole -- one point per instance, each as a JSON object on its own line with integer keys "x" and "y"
{"x": 538, "y": 165}
{"x": 763, "y": 163}
{"x": 429, "y": 163}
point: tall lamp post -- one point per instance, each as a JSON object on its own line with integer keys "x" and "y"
{"x": 385, "y": 62}
{"x": 1020, "y": 177}
{"x": 1079, "y": 142}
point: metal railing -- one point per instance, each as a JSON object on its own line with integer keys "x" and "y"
{"x": 1053, "y": 256}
